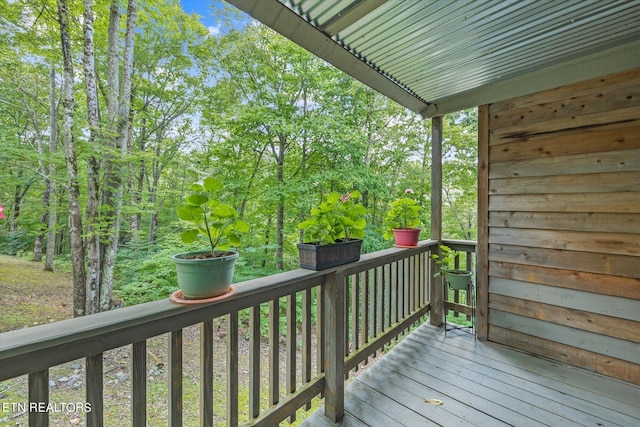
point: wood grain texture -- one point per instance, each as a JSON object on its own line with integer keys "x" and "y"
{"x": 139, "y": 383}
{"x": 628, "y": 287}
{"x": 175, "y": 378}
{"x": 206, "y": 374}
{"x": 254, "y": 361}
{"x": 594, "y": 86}
{"x": 576, "y": 221}
{"x": 232, "y": 369}
{"x": 583, "y": 241}
{"x": 334, "y": 369}
{"x": 94, "y": 389}
{"x": 592, "y": 322}
{"x": 483, "y": 383}
{"x": 292, "y": 333}
{"x": 604, "y": 345}
{"x": 615, "y": 265}
{"x": 524, "y": 129}
{"x": 606, "y": 365}
{"x": 594, "y": 139}
{"x": 627, "y": 202}
{"x": 562, "y": 184}
{"x": 600, "y": 162}
{"x": 621, "y": 308}
{"x": 482, "y": 273}
{"x": 578, "y": 105}
{"x": 274, "y": 351}
{"x": 39, "y": 394}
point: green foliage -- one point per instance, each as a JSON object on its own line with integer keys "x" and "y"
{"x": 446, "y": 260}
{"x": 404, "y": 213}
{"x": 336, "y": 218}
{"x": 211, "y": 218}
{"x": 143, "y": 276}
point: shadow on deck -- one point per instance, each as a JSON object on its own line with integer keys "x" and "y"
{"x": 480, "y": 383}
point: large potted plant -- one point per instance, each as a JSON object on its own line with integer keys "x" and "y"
{"x": 457, "y": 279}
{"x": 333, "y": 233}
{"x": 402, "y": 221}
{"x": 208, "y": 273}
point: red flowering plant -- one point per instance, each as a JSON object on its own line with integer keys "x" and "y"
{"x": 337, "y": 218}
{"x": 404, "y": 214}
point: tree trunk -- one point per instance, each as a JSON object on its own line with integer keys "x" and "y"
{"x": 53, "y": 197}
{"x": 279, "y": 155}
{"x": 75, "y": 214}
{"x": 93, "y": 164}
{"x": 115, "y": 176}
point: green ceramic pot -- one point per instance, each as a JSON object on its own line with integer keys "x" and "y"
{"x": 207, "y": 277}
{"x": 458, "y": 279}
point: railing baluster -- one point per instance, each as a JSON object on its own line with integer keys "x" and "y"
{"x": 274, "y": 351}
{"x": 306, "y": 340}
{"x": 398, "y": 290}
{"x": 175, "y": 378}
{"x": 383, "y": 299}
{"x": 355, "y": 312}
{"x": 232, "y": 369}
{"x": 347, "y": 295}
{"x": 406, "y": 289}
{"x": 320, "y": 331}
{"x": 139, "y": 384}
{"x": 206, "y": 373}
{"x": 412, "y": 284}
{"x": 94, "y": 386}
{"x": 291, "y": 348}
{"x": 374, "y": 304}
{"x": 254, "y": 362}
{"x": 364, "y": 310}
{"x": 39, "y": 394}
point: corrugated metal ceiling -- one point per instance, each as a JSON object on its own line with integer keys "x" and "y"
{"x": 439, "y": 49}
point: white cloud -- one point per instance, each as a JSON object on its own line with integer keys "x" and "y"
{"x": 214, "y": 31}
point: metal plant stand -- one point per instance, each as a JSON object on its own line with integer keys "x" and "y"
{"x": 470, "y": 300}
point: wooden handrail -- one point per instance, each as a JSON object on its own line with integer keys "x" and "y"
{"x": 362, "y": 306}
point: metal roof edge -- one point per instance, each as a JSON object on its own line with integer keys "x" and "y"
{"x": 616, "y": 59}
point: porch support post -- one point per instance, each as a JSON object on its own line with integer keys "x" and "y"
{"x": 482, "y": 264}
{"x": 333, "y": 301}
{"x": 436, "y": 289}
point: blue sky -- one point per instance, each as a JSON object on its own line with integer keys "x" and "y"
{"x": 206, "y": 10}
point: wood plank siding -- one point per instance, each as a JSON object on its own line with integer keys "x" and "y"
{"x": 563, "y": 223}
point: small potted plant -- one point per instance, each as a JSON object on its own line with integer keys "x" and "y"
{"x": 208, "y": 273}
{"x": 402, "y": 221}
{"x": 333, "y": 233}
{"x": 456, "y": 278}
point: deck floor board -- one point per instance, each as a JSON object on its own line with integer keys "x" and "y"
{"x": 480, "y": 384}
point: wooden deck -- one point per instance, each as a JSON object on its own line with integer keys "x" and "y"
{"x": 481, "y": 384}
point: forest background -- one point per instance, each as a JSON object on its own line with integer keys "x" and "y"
{"x": 109, "y": 110}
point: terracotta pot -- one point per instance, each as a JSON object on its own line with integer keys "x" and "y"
{"x": 406, "y": 237}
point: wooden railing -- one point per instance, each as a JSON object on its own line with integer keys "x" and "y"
{"x": 348, "y": 314}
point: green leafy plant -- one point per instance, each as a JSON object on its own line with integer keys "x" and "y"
{"x": 445, "y": 260}
{"x": 210, "y": 218}
{"x": 404, "y": 214}
{"x": 338, "y": 217}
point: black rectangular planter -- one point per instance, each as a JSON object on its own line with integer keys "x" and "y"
{"x": 319, "y": 257}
